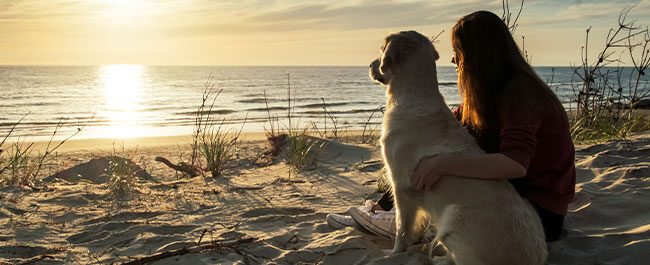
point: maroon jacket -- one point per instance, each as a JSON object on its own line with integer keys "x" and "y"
{"x": 541, "y": 142}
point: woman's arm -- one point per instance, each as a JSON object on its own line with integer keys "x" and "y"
{"x": 480, "y": 166}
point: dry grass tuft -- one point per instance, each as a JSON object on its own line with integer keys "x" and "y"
{"x": 122, "y": 173}
{"x": 20, "y": 164}
{"x": 303, "y": 150}
{"x": 210, "y": 141}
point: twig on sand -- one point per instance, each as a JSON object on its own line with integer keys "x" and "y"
{"x": 231, "y": 244}
{"x": 200, "y": 238}
{"x": 323, "y": 254}
{"x": 230, "y": 227}
{"x": 37, "y": 259}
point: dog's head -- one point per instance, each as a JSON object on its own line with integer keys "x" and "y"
{"x": 403, "y": 52}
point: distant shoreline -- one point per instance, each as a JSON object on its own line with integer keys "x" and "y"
{"x": 94, "y": 144}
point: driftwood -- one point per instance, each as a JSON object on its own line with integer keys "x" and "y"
{"x": 186, "y": 168}
{"x": 196, "y": 249}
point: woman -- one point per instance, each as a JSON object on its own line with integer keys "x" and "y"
{"x": 515, "y": 118}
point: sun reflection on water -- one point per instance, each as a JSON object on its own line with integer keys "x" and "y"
{"x": 122, "y": 85}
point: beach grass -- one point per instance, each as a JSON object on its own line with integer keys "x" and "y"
{"x": 15, "y": 162}
{"x": 121, "y": 172}
{"x": 211, "y": 141}
{"x": 370, "y": 134}
{"x": 383, "y": 182}
{"x": 218, "y": 147}
{"x": 606, "y": 127}
{"x": 298, "y": 148}
{"x": 17, "y": 165}
{"x": 121, "y": 178}
{"x": 302, "y": 150}
{"x": 21, "y": 164}
{"x": 336, "y": 130}
{"x": 605, "y": 102}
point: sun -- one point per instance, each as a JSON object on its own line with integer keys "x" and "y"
{"x": 123, "y": 10}
{"x": 122, "y": 85}
{"x": 123, "y": 3}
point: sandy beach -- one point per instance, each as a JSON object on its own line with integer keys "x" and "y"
{"x": 257, "y": 213}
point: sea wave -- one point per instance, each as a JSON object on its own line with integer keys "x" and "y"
{"x": 353, "y": 111}
{"x": 266, "y": 109}
{"x": 260, "y": 100}
{"x": 255, "y": 98}
{"x": 206, "y": 112}
{"x": 321, "y": 105}
{"x": 29, "y": 104}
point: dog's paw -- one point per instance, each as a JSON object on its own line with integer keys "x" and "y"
{"x": 396, "y": 251}
{"x": 401, "y": 258}
{"x": 386, "y": 252}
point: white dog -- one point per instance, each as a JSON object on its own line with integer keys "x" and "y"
{"x": 478, "y": 221}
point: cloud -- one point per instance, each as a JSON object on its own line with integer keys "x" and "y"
{"x": 371, "y": 14}
{"x": 337, "y": 16}
{"x": 584, "y": 14}
{"x": 38, "y": 9}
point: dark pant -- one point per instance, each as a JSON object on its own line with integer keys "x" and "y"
{"x": 386, "y": 201}
{"x": 551, "y": 221}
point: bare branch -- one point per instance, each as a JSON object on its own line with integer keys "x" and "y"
{"x": 506, "y": 16}
{"x": 232, "y": 244}
{"x": 435, "y": 39}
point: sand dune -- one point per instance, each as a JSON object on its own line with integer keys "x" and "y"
{"x": 263, "y": 215}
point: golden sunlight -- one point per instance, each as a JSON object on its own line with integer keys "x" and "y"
{"x": 123, "y": 9}
{"x": 122, "y": 86}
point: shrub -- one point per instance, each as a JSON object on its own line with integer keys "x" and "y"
{"x": 303, "y": 150}
{"x": 218, "y": 147}
{"x": 603, "y": 97}
{"x": 121, "y": 175}
{"x": 21, "y": 166}
{"x": 210, "y": 141}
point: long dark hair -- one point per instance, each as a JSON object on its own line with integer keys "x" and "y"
{"x": 491, "y": 71}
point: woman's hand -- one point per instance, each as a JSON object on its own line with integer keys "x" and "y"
{"x": 427, "y": 173}
{"x": 479, "y": 166}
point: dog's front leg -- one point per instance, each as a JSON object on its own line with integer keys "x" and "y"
{"x": 408, "y": 230}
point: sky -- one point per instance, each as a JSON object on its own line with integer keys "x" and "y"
{"x": 282, "y": 32}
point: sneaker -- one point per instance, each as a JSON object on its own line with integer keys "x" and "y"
{"x": 338, "y": 221}
{"x": 380, "y": 223}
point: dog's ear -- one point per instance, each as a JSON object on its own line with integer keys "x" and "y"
{"x": 386, "y": 64}
{"x": 393, "y": 53}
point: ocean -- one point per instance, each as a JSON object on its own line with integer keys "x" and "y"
{"x": 121, "y": 101}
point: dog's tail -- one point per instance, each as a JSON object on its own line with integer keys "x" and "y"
{"x": 445, "y": 222}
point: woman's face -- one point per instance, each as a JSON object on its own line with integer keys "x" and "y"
{"x": 453, "y": 61}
